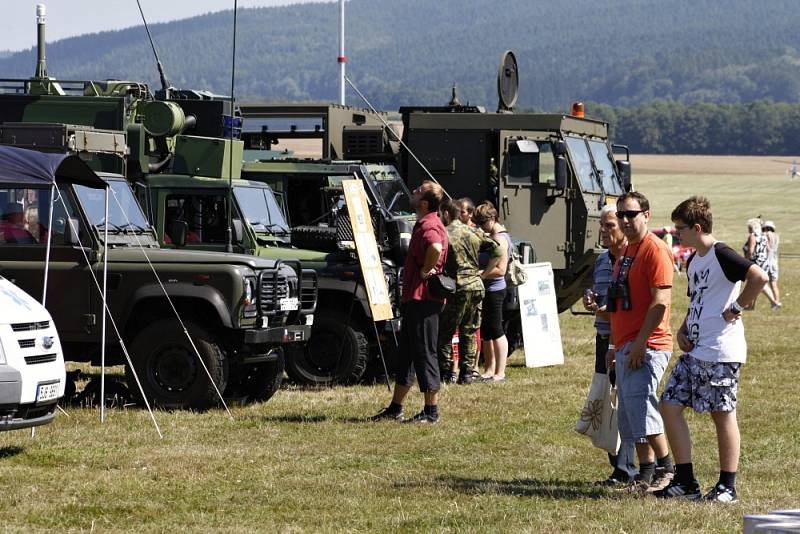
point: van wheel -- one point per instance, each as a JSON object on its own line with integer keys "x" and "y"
{"x": 169, "y": 370}
{"x": 260, "y": 381}
{"x": 321, "y": 362}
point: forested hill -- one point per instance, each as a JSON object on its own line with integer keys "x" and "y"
{"x": 620, "y": 52}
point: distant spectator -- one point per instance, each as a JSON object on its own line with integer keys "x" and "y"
{"x": 773, "y": 240}
{"x": 756, "y": 249}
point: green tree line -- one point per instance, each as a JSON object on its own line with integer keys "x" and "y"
{"x": 763, "y": 127}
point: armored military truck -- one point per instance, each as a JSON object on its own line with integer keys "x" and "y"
{"x": 239, "y": 311}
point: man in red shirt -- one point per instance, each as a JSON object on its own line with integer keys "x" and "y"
{"x": 420, "y": 310}
{"x": 639, "y": 298}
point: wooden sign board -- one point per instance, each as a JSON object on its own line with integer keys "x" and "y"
{"x": 368, "y": 255}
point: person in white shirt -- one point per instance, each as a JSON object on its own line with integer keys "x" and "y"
{"x": 712, "y": 339}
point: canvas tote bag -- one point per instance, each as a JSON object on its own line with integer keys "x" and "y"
{"x": 598, "y": 419}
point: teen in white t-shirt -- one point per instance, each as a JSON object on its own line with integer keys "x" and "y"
{"x": 706, "y": 377}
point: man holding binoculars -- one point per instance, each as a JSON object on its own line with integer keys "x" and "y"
{"x": 639, "y": 298}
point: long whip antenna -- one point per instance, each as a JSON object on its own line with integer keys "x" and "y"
{"x": 164, "y": 82}
{"x": 229, "y": 245}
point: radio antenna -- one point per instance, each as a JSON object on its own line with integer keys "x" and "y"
{"x": 229, "y": 245}
{"x": 164, "y": 82}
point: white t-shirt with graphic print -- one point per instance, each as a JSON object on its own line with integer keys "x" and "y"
{"x": 714, "y": 282}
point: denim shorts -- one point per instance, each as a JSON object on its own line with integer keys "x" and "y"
{"x": 637, "y": 398}
{"x": 703, "y": 386}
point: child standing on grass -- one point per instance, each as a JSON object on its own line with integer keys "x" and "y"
{"x": 712, "y": 338}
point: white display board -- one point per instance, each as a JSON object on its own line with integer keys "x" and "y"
{"x": 538, "y": 310}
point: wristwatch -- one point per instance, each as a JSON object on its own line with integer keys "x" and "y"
{"x": 736, "y": 308}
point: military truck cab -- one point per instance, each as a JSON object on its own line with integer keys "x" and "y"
{"x": 549, "y": 175}
{"x": 32, "y": 374}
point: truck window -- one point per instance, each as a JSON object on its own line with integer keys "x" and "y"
{"x": 25, "y": 214}
{"x": 583, "y": 164}
{"x": 531, "y": 166}
{"x": 261, "y": 209}
{"x": 204, "y": 213}
{"x": 604, "y": 162}
{"x": 124, "y": 213}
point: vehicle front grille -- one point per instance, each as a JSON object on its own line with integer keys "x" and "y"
{"x": 27, "y": 327}
{"x": 273, "y": 286}
{"x": 40, "y": 358}
{"x": 308, "y": 291}
{"x": 27, "y": 343}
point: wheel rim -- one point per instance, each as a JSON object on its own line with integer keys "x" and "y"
{"x": 323, "y": 350}
{"x": 173, "y": 369}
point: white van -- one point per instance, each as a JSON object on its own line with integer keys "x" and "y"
{"x": 32, "y": 373}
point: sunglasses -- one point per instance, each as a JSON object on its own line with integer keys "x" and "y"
{"x": 630, "y": 214}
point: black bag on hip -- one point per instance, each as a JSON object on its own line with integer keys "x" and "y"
{"x": 441, "y": 286}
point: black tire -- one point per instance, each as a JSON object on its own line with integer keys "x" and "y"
{"x": 169, "y": 370}
{"x": 319, "y": 362}
{"x": 260, "y": 381}
{"x": 314, "y": 237}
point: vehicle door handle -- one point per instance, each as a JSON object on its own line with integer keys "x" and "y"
{"x": 506, "y": 208}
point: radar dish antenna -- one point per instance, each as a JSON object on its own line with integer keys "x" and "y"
{"x": 507, "y": 82}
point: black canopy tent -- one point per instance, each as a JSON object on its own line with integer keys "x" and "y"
{"x": 21, "y": 167}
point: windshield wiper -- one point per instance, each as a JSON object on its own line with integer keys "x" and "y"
{"x": 114, "y": 228}
{"x": 133, "y": 226}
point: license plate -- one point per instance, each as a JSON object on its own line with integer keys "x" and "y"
{"x": 289, "y": 303}
{"x": 46, "y": 392}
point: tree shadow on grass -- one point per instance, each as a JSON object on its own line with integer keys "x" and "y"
{"x": 524, "y": 487}
{"x": 9, "y": 451}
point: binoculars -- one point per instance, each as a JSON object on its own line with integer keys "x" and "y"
{"x": 618, "y": 290}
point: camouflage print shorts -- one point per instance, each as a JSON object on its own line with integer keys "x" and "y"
{"x": 703, "y": 386}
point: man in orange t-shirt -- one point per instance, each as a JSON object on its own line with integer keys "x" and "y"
{"x": 639, "y": 299}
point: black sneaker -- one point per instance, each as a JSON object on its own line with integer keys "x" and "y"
{"x": 680, "y": 490}
{"x": 388, "y": 413}
{"x": 423, "y": 418}
{"x": 468, "y": 377}
{"x": 721, "y": 493}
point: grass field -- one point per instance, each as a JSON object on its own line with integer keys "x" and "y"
{"x": 505, "y": 457}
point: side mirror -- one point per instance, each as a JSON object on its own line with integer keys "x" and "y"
{"x": 177, "y": 232}
{"x": 559, "y": 147}
{"x": 561, "y": 172}
{"x": 238, "y": 231}
{"x": 624, "y": 172}
{"x": 71, "y": 230}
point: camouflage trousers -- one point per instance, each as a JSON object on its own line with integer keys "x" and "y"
{"x": 462, "y": 312}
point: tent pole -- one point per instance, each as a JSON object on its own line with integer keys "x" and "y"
{"x": 103, "y": 323}
{"x": 49, "y": 242}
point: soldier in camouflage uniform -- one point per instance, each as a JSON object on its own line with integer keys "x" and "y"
{"x": 463, "y": 311}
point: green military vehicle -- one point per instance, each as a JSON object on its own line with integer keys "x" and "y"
{"x": 311, "y": 192}
{"x": 244, "y": 309}
{"x": 239, "y": 310}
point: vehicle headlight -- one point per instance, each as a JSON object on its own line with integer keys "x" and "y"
{"x": 250, "y": 301}
{"x": 2, "y": 354}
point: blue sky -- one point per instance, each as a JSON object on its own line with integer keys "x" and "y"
{"x": 67, "y": 18}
